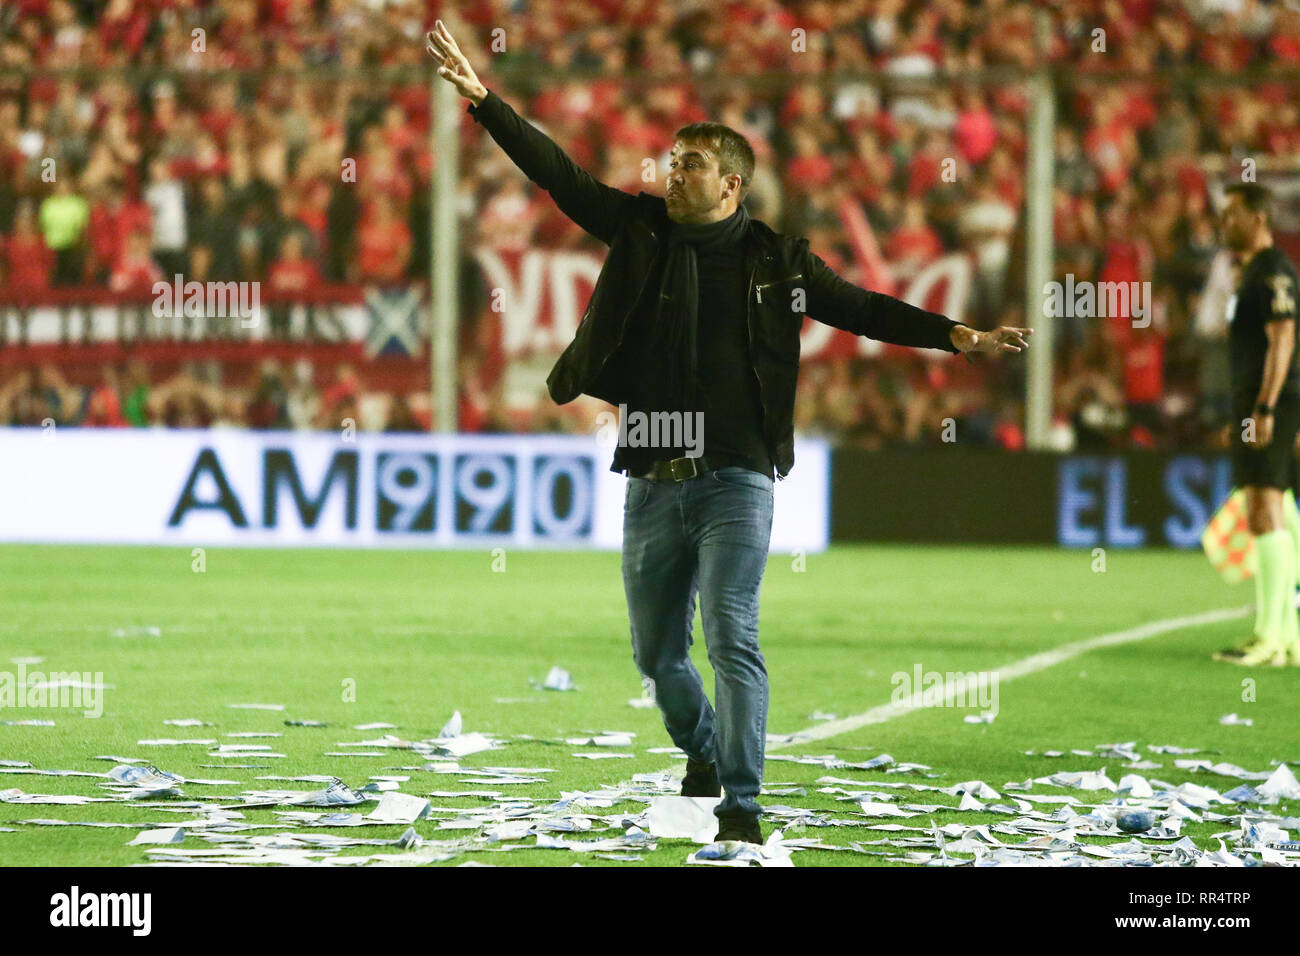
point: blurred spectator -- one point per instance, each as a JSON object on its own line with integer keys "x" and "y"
{"x": 912, "y": 245}
{"x": 345, "y": 414}
{"x": 303, "y": 400}
{"x": 26, "y": 263}
{"x": 1090, "y": 396}
{"x": 41, "y": 398}
{"x": 987, "y": 223}
{"x": 63, "y": 218}
{"x": 17, "y": 384}
{"x": 135, "y": 270}
{"x": 383, "y": 244}
{"x": 215, "y": 234}
{"x": 135, "y": 394}
{"x": 290, "y": 274}
{"x": 1073, "y": 172}
{"x": 509, "y": 219}
{"x": 166, "y": 200}
{"x": 269, "y": 405}
{"x": 339, "y": 400}
{"x": 184, "y": 402}
{"x": 974, "y": 132}
{"x": 104, "y": 406}
{"x": 134, "y": 274}
{"x": 1144, "y": 384}
{"x": 400, "y": 416}
{"x": 113, "y": 217}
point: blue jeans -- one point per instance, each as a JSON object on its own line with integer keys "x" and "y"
{"x": 708, "y": 534}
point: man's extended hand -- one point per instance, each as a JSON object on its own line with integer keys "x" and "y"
{"x": 455, "y": 68}
{"x": 1002, "y": 339}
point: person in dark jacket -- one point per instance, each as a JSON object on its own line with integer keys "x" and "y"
{"x": 693, "y": 332}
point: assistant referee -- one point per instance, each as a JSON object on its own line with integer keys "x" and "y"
{"x": 1266, "y": 418}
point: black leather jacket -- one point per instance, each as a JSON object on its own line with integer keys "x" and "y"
{"x": 635, "y": 229}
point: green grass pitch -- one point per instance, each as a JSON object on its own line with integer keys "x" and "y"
{"x": 421, "y": 634}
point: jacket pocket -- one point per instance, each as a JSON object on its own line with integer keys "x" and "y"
{"x": 765, "y": 286}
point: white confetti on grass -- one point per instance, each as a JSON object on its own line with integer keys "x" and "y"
{"x": 174, "y": 742}
{"x": 1052, "y": 834}
{"x": 602, "y": 755}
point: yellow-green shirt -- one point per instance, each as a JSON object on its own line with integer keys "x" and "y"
{"x": 63, "y": 220}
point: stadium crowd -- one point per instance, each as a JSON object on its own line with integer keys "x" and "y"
{"x": 244, "y": 176}
{"x": 199, "y": 394}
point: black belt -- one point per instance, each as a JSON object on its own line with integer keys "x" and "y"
{"x": 682, "y": 469}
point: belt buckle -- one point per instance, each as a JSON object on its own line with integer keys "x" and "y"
{"x": 682, "y": 475}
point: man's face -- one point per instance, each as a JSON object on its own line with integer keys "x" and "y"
{"x": 697, "y": 192}
{"x": 1237, "y": 224}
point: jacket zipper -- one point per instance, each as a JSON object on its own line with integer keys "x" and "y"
{"x": 767, "y": 285}
{"x": 753, "y": 363}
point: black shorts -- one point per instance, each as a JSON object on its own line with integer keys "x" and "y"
{"x": 1272, "y": 466}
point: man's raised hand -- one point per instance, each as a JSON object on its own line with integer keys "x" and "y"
{"x": 454, "y": 67}
{"x": 1002, "y": 339}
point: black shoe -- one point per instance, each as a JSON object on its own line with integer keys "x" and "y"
{"x": 701, "y": 780}
{"x": 740, "y": 826}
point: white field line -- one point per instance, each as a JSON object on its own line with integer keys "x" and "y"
{"x": 1026, "y": 665}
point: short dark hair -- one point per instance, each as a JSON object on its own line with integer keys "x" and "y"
{"x": 735, "y": 155}
{"x": 1256, "y": 197}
